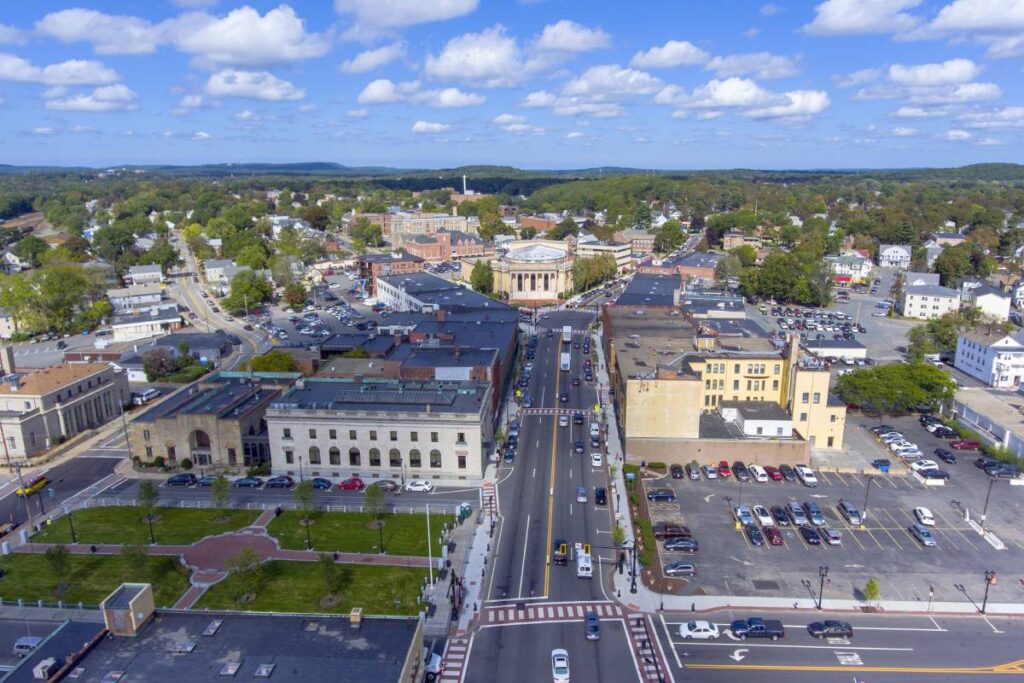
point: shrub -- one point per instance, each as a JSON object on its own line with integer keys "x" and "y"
{"x": 262, "y": 470}
{"x": 186, "y": 464}
{"x": 659, "y": 466}
{"x": 159, "y": 461}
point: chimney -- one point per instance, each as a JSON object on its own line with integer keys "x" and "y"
{"x": 7, "y": 359}
{"x": 442, "y": 315}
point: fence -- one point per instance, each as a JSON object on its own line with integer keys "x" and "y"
{"x": 390, "y": 508}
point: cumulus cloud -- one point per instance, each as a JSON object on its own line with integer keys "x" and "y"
{"x": 429, "y": 127}
{"x": 857, "y": 78}
{"x": 611, "y": 81}
{"x": 357, "y": 113}
{"x": 109, "y": 34}
{"x": 191, "y": 102}
{"x": 200, "y": 135}
{"x": 374, "y": 17}
{"x": 956, "y": 94}
{"x": 671, "y": 54}
{"x": 245, "y": 115}
{"x": 762, "y": 65}
{"x": 996, "y": 23}
{"x": 371, "y": 60}
{"x": 918, "y": 113}
{"x": 568, "y": 36}
{"x": 770, "y": 10}
{"x": 849, "y": 17}
{"x": 540, "y": 98}
{"x": 487, "y": 59}
{"x": 11, "y": 36}
{"x": 946, "y": 73}
{"x": 796, "y": 105}
{"x": 573, "y": 135}
{"x": 43, "y": 130}
{"x": 71, "y": 72}
{"x": 512, "y": 123}
{"x": 746, "y": 98}
{"x": 103, "y": 99}
{"x": 903, "y": 132}
{"x": 255, "y": 85}
{"x": 1007, "y": 117}
{"x": 385, "y": 91}
{"x": 956, "y": 135}
{"x": 448, "y": 98}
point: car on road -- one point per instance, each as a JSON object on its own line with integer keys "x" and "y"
{"x": 575, "y": 381}
{"x": 773, "y": 535}
{"x": 754, "y": 534}
{"x": 581, "y": 494}
{"x": 806, "y": 475}
{"x": 577, "y": 446}
{"x": 387, "y": 485}
{"x": 419, "y": 485}
{"x": 698, "y": 630}
{"x": 788, "y": 473}
{"x": 810, "y": 535}
{"x": 945, "y": 456}
{"x": 681, "y": 544}
{"x": 779, "y": 515}
{"x": 176, "y": 480}
{"x": 247, "y": 483}
{"x": 564, "y": 397}
{"x": 680, "y": 568}
{"x": 352, "y": 484}
{"x": 831, "y": 536}
{"x": 600, "y": 495}
{"x": 849, "y": 511}
{"x": 563, "y": 420}
{"x": 710, "y": 471}
{"x": 596, "y": 460}
{"x": 280, "y": 482}
{"x": 762, "y": 516}
{"x": 559, "y": 659}
{"x": 592, "y": 626}
{"x": 322, "y": 484}
{"x": 577, "y": 418}
{"x": 830, "y": 628}
{"x": 756, "y": 627}
{"x": 723, "y": 469}
{"x": 965, "y": 445}
{"x": 921, "y": 533}
{"x": 661, "y": 494}
{"x": 676, "y": 471}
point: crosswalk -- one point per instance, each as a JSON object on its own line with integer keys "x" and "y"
{"x": 549, "y": 412}
{"x": 547, "y": 612}
{"x": 649, "y": 659}
{"x": 490, "y": 499}
{"x": 456, "y": 655}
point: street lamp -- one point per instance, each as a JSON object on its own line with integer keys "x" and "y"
{"x": 984, "y": 511}
{"x": 867, "y": 490}
{"x": 149, "y": 520}
{"x": 822, "y": 574}
{"x": 632, "y": 584}
{"x": 990, "y": 580}
{"x": 71, "y": 521}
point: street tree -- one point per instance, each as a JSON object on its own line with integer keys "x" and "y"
{"x": 295, "y": 294}
{"x": 248, "y": 289}
{"x": 373, "y": 504}
{"x": 220, "y": 494}
{"x": 245, "y": 574}
{"x": 890, "y": 389}
{"x": 148, "y": 496}
{"x": 330, "y": 575}
{"x": 482, "y": 277}
{"x": 305, "y": 496}
{"x": 159, "y": 363}
{"x": 872, "y": 591}
{"x": 59, "y": 560}
{"x": 274, "y": 361}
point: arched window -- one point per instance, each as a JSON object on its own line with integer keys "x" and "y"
{"x": 415, "y": 460}
{"x": 435, "y": 458}
{"x": 354, "y": 457}
{"x": 395, "y": 457}
{"x": 374, "y": 457}
{"x": 314, "y": 455}
{"x": 335, "y": 456}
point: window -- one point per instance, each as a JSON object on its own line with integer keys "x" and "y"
{"x": 333, "y": 433}
{"x": 760, "y": 431}
{"x": 373, "y": 435}
{"x": 414, "y": 436}
{"x": 817, "y": 397}
{"x": 775, "y": 384}
{"x": 312, "y": 433}
{"x": 831, "y": 441}
{"x": 374, "y": 457}
{"x": 707, "y": 384}
{"x": 394, "y": 436}
{"x": 287, "y": 433}
{"x": 803, "y": 417}
{"x": 352, "y": 435}
{"x": 149, "y": 453}
{"x": 433, "y": 437}
{"x": 354, "y": 458}
{"x": 777, "y": 369}
{"x": 462, "y": 462}
{"x": 415, "y": 460}
{"x": 314, "y": 455}
{"x": 735, "y": 385}
{"x": 462, "y": 438}
{"x": 145, "y": 434}
{"x": 395, "y": 458}
{"x": 334, "y": 455}
{"x": 778, "y": 431}
{"x": 289, "y": 458}
{"x": 805, "y": 397}
{"x": 170, "y": 449}
{"x": 736, "y": 368}
{"x": 831, "y": 418}
{"x": 435, "y": 458}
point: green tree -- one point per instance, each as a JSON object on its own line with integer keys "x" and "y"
{"x": 220, "y": 494}
{"x": 642, "y": 218}
{"x": 59, "y": 560}
{"x": 961, "y": 262}
{"x": 329, "y": 574}
{"x": 159, "y": 363}
{"x": 872, "y": 591}
{"x": 728, "y": 267}
{"x": 161, "y": 253}
{"x": 669, "y": 237}
{"x": 305, "y": 496}
{"x": 566, "y": 227}
{"x": 374, "y": 505}
{"x": 746, "y": 254}
{"x": 252, "y": 255}
{"x": 148, "y": 496}
{"x": 135, "y": 556}
{"x": 588, "y": 272}
{"x": 368, "y": 233}
{"x": 245, "y": 574}
{"x": 273, "y": 361}
{"x": 248, "y": 289}
{"x": 890, "y": 389}
{"x": 482, "y": 277}
{"x": 294, "y": 294}
{"x": 30, "y": 249}
{"x": 527, "y": 233}
{"x": 316, "y": 216}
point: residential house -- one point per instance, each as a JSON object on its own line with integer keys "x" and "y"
{"x": 992, "y": 302}
{"x": 12, "y": 263}
{"x": 127, "y": 299}
{"x": 914, "y": 279}
{"x": 214, "y": 269}
{"x": 928, "y": 301}
{"x": 144, "y": 275}
{"x": 932, "y": 249}
{"x": 992, "y": 356}
{"x": 894, "y": 255}
{"x": 948, "y": 239}
{"x": 850, "y": 268}
{"x": 737, "y": 238}
{"x": 7, "y": 327}
{"x": 146, "y": 322}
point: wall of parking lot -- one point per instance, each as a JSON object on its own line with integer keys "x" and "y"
{"x": 704, "y": 451}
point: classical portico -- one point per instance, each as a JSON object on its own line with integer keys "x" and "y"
{"x": 534, "y": 272}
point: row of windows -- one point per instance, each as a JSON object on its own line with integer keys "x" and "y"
{"x": 752, "y": 368}
{"x": 392, "y": 435}
{"x": 803, "y": 418}
{"x": 355, "y": 458}
{"x": 711, "y": 400}
{"x": 752, "y": 384}
{"x": 806, "y": 397}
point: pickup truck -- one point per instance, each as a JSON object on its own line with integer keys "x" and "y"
{"x": 756, "y": 627}
{"x": 663, "y": 530}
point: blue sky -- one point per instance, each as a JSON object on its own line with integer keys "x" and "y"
{"x": 529, "y": 83}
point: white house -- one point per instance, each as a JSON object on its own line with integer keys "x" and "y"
{"x": 932, "y": 249}
{"x": 913, "y": 279}
{"x": 894, "y": 255}
{"x": 1017, "y": 293}
{"x": 149, "y": 322}
{"x": 850, "y": 265}
{"x": 948, "y": 239}
{"x": 990, "y": 300}
{"x": 144, "y": 275}
{"x": 928, "y": 301}
{"x": 129, "y": 298}
{"x": 214, "y": 269}
{"x": 995, "y": 358}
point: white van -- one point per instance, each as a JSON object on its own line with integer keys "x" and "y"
{"x": 25, "y": 645}
{"x": 758, "y": 473}
{"x": 142, "y": 397}
{"x": 584, "y": 565}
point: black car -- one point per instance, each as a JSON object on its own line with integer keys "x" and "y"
{"x": 740, "y": 471}
{"x": 182, "y": 480}
{"x": 787, "y": 472}
{"x": 247, "y": 483}
{"x": 661, "y": 494}
{"x": 560, "y": 551}
{"x": 575, "y": 381}
{"x": 207, "y": 480}
{"x": 945, "y": 433}
{"x": 578, "y": 447}
{"x": 564, "y": 398}
{"x": 935, "y": 474}
{"x": 682, "y": 545}
{"x": 600, "y": 495}
{"x": 779, "y": 515}
{"x": 810, "y": 534}
{"x": 577, "y": 419}
{"x": 281, "y": 482}
{"x": 984, "y": 462}
{"x": 945, "y": 456}
{"x": 1003, "y": 471}
{"x": 676, "y": 471}
{"x": 510, "y": 455}
{"x": 753, "y": 534}
{"x": 321, "y": 484}
{"x": 595, "y": 442}
{"x": 830, "y": 628}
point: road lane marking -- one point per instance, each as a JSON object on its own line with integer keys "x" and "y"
{"x": 551, "y": 489}
{"x": 747, "y": 643}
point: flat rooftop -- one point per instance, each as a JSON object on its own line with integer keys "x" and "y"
{"x": 648, "y": 289}
{"x": 321, "y": 649}
{"x": 419, "y": 283}
{"x": 757, "y": 410}
{"x": 397, "y": 396}
{"x": 226, "y": 399}
{"x": 1004, "y": 408}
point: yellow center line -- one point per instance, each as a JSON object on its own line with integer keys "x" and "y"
{"x": 551, "y": 482}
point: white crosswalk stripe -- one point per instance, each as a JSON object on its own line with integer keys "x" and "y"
{"x": 554, "y": 612}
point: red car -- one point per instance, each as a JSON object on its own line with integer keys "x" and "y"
{"x": 965, "y": 445}
{"x": 773, "y": 472}
{"x": 351, "y": 484}
{"x": 723, "y": 469}
{"x": 773, "y": 535}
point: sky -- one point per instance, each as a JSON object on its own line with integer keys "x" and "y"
{"x": 539, "y": 84}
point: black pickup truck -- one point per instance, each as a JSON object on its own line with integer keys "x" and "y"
{"x": 756, "y": 627}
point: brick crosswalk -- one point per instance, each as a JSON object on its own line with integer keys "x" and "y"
{"x": 490, "y": 499}
{"x": 649, "y": 659}
{"x": 454, "y": 661}
{"x": 510, "y": 614}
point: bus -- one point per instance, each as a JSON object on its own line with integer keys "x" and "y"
{"x": 566, "y": 361}
{"x": 566, "y": 334}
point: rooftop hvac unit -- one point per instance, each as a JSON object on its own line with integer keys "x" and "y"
{"x": 45, "y": 669}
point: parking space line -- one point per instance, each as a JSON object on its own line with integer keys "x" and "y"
{"x": 859, "y": 481}
{"x": 903, "y": 528}
{"x": 840, "y": 478}
{"x": 879, "y": 543}
{"x": 952, "y": 527}
{"x": 821, "y": 475}
{"x": 887, "y": 533}
{"x": 852, "y": 534}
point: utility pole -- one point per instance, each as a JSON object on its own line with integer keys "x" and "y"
{"x": 430, "y": 550}
{"x": 867, "y": 490}
{"x": 822, "y": 574}
{"x": 990, "y": 580}
{"x": 17, "y": 470}
{"x": 124, "y": 428}
{"x": 984, "y": 511}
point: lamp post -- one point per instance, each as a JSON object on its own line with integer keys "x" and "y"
{"x": 149, "y": 520}
{"x": 822, "y": 574}
{"x": 632, "y": 573}
{"x": 867, "y": 490}
{"x": 984, "y": 511}
{"x": 71, "y": 521}
{"x": 931, "y": 594}
{"x": 990, "y": 579}
{"x": 309, "y": 542}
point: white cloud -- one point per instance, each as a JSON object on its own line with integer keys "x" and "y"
{"x": 106, "y": 98}
{"x": 611, "y": 82}
{"x": 857, "y": 78}
{"x": 946, "y": 73}
{"x": 848, "y": 17}
{"x": 506, "y": 119}
{"x": 77, "y": 128}
{"x": 306, "y": 108}
{"x": 71, "y": 72}
{"x": 988, "y": 141}
{"x": 200, "y": 135}
{"x": 373, "y": 59}
{"x": 373, "y": 17}
{"x": 11, "y": 36}
{"x": 245, "y": 115}
{"x": 43, "y": 130}
{"x": 751, "y": 33}
{"x": 770, "y": 10}
{"x": 489, "y": 59}
{"x": 965, "y": 92}
{"x": 731, "y": 92}
{"x": 903, "y": 132}
{"x": 384, "y": 91}
{"x": 448, "y": 98}
{"x": 109, "y": 34}
{"x": 568, "y": 36}
{"x": 762, "y": 65}
{"x": 541, "y": 98}
{"x": 256, "y": 85}
{"x": 191, "y": 102}
{"x": 918, "y": 113}
{"x": 671, "y": 54}
{"x": 574, "y": 135}
{"x": 513, "y": 123}
{"x": 746, "y": 98}
{"x": 980, "y": 15}
{"x": 357, "y": 113}
{"x": 428, "y": 127}
{"x": 1007, "y": 117}
{"x": 798, "y": 105}
{"x": 956, "y": 135}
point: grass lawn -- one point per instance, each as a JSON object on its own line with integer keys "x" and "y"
{"x": 174, "y": 526}
{"x": 90, "y": 578}
{"x": 299, "y": 586}
{"x": 349, "y": 532}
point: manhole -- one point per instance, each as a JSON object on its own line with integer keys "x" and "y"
{"x": 764, "y": 585}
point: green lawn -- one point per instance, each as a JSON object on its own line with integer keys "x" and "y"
{"x": 90, "y": 578}
{"x": 174, "y": 526}
{"x": 404, "y": 534}
{"x": 299, "y": 586}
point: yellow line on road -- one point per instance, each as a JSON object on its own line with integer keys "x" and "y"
{"x": 551, "y": 481}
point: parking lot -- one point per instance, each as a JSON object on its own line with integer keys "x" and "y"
{"x": 882, "y": 547}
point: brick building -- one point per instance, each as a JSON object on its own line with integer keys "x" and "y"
{"x": 373, "y": 265}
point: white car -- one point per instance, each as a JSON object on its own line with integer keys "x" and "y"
{"x": 698, "y": 630}
{"x": 924, "y": 516}
{"x": 806, "y": 475}
{"x": 758, "y": 473}
{"x": 421, "y": 485}
{"x": 891, "y": 437}
{"x": 559, "y": 666}
{"x": 762, "y": 516}
{"x": 920, "y": 465}
{"x": 563, "y": 420}
{"x": 596, "y": 460}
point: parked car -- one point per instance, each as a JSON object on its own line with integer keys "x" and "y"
{"x": 681, "y": 544}
{"x": 676, "y": 471}
{"x": 921, "y": 533}
{"x": 924, "y": 516}
{"x": 663, "y": 530}
{"x": 387, "y": 485}
{"x": 661, "y": 494}
{"x": 935, "y": 474}
{"x": 773, "y": 535}
{"x": 850, "y": 512}
{"x": 965, "y": 445}
{"x": 919, "y": 465}
{"x": 176, "y": 480}
{"x": 321, "y": 484}
{"x": 280, "y": 482}
{"x": 754, "y": 534}
{"x": 814, "y": 514}
{"x": 756, "y": 627}
{"x": 698, "y": 630}
{"x": 743, "y": 515}
{"x": 810, "y": 535}
{"x": 710, "y": 471}
{"x": 985, "y": 461}
{"x": 806, "y": 475}
{"x": 741, "y": 472}
{"x": 758, "y": 473}
{"x": 773, "y": 472}
{"x": 419, "y": 485}
{"x": 600, "y": 495}
{"x": 830, "y": 628}
{"x": 1003, "y": 471}
{"x": 248, "y": 483}
{"x": 693, "y": 471}
{"x": 762, "y": 516}
{"x": 831, "y": 536}
{"x": 723, "y": 469}
{"x": 779, "y": 515}
{"x": 352, "y": 484}
{"x": 207, "y": 479}
{"x": 796, "y": 514}
{"x": 787, "y": 472}
{"x": 680, "y": 568}
{"x": 945, "y": 456}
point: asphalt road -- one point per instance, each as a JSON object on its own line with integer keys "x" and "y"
{"x": 66, "y": 479}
